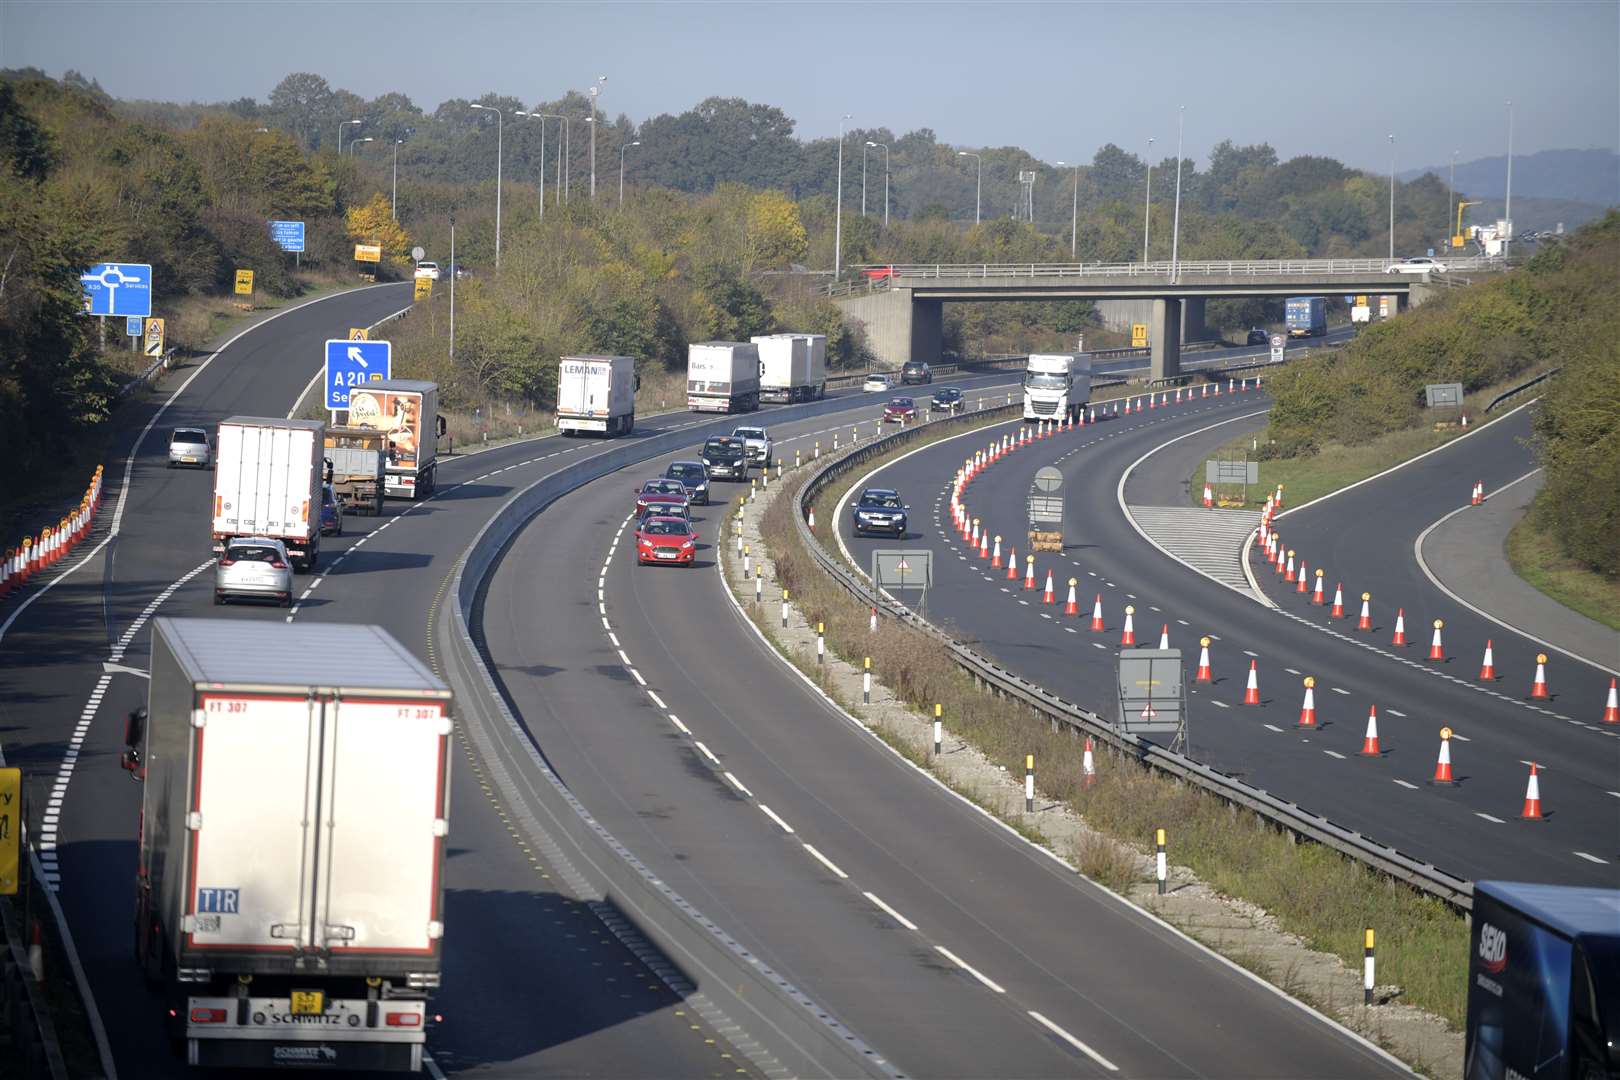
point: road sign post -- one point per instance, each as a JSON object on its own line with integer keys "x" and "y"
{"x": 355, "y": 363}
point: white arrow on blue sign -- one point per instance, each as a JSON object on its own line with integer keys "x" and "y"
{"x": 355, "y": 363}
{"x": 288, "y": 235}
{"x": 118, "y": 289}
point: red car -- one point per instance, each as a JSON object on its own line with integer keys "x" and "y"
{"x": 900, "y": 410}
{"x": 666, "y": 540}
{"x": 672, "y": 489}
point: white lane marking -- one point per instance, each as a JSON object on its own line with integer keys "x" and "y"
{"x": 658, "y": 701}
{"x": 1290, "y": 671}
{"x": 624, "y": 658}
{"x": 637, "y": 675}
{"x": 824, "y": 861}
{"x": 1336, "y": 690}
{"x": 1461, "y": 738}
{"x": 965, "y": 966}
{"x": 1404, "y": 784}
{"x": 1275, "y": 728}
{"x": 1616, "y": 794}
{"x": 1489, "y": 817}
{"x": 707, "y": 752}
{"x": 1396, "y": 712}
{"x": 1539, "y": 768}
{"x": 677, "y": 722}
{"x": 1098, "y": 645}
{"x": 893, "y": 914}
{"x": 1593, "y": 858}
{"x": 768, "y": 812}
{"x": 739, "y": 785}
{"x": 1255, "y": 655}
{"x": 1334, "y": 754}
{"x": 613, "y": 638}
{"x": 1072, "y": 1041}
{"x": 1221, "y": 705}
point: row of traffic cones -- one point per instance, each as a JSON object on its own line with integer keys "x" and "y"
{"x": 39, "y": 552}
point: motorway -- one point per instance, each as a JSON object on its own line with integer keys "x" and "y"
{"x": 516, "y": 934}
{"x": 1366, "y": 537}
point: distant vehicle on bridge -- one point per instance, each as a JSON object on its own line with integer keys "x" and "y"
{"x": 1307, "y": 316}
{"x": 1417, "y": 265}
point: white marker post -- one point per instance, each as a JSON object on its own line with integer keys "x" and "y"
{"x": 866, "y": 683}
{"x": 1162, "y": 867}
{"x": 821, "y": 644}
{"x": 784, "y": 608}
{"x": 939, "y": 729}
{"x": 1367, "y": 964}
{"x": 1029, "y": 783}
{"x": 747, "y": 561}
{"x": 759, "y": 587}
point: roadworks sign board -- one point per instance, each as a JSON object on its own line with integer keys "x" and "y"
{"x": 10, "y": 831}
{"x": 371, "y": 253}
{"x": 423, "y": 288}
{"x": 154, "y": 338}
{"x": 244, "y": 283}
{"x": 903, "y": 568}
{"x": 359, "y": 333}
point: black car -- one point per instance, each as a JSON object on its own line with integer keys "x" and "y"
{"x": 915, "y": 371}
{"x": 879, "y": 510}
{"x": 694, "y": 475}
{"x": 726, "y": 458}
{"x": 1257, "y": 336}
{"x": 948, "y": 399}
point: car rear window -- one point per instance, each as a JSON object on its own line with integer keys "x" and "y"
{"x": 686, "y": 472}
{"x": 252, "y": 553}
{"x": 189, "y": 437}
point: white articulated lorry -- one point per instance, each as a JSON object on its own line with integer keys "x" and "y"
{"x": 1056, "y": 385}
{"x": 597, "y": 394}
{"x": 792, "y": 367}
{"x": 722, "y": 376}
{"x": 289, "y": 890}
{"x": 267, "y": 482}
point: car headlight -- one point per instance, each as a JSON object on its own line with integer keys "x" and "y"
{"x": 686, "y": 546}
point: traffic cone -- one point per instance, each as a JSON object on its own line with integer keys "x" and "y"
{"x": 1436, "y": 650}
{"x": 1539, "y": 688}
{"x": 1487, "y": 668}
{"x": 1277, "y": 499}
{"x": 1369, "y": 744}
{"x": 1479, "y": 494}
{"x": 1164, "y": 637}
{"x": 1532, "y": 798}
{"x": 995, "y": 555}
{"x": 1205, "y": 674}
{"x": 1072, "y": 605}
{"x": 1300, "y": 587}
{"x": 1012, "y": 564}
{"x": 1251, "y": 692}
{"x": 1611, "y": 711}
{"x": 1029, "y": 574}
{"x": 1400, "y": 627}
{"x": 1465, "y": 421}
{"x": 984, "y": 544}
{"x": 1153, "y": 402}
{"x": 1048, "y": 596}
{"x": 1288, "y": 574}
{"x": 973, "y": 537}
{"x": 1338, "y": 602}
{"x": 1316, "y": 594}
{"x": 1307, "y": 710}
{"x": 1127, "y": 637}
{"x": 1209, "y": 497}
{"x": 1087, "y": 766}
{"x": 1096, "y": 616}
{"x": 1442, "y": 767}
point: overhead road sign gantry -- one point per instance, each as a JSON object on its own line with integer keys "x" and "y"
{"x": 288, "y": 235}
{"x": 118, "y": 289}
{"x": 355, "y": 363}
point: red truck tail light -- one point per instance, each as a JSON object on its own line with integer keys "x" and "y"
{"x": 207, "y": 1016}
{"x": 403, "y": 1019}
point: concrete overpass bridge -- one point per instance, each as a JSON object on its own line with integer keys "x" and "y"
{"x": 901, "y": 306}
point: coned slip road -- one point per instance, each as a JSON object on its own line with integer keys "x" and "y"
{"x": 1467, "y": 829}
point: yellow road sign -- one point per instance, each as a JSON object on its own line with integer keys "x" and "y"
{"x": 424, "y": 288}
{"x": 10, "y": 830}
{"x": 357, "y": 333}
{"x": 244, "y": 283}
{"x": 368, "y": 253}
{"x": 1139, "y": 335}
{"x": 154, "y": 337}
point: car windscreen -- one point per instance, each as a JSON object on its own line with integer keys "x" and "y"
{"x": 188, "y": 437}
{"x": 900, "y": 403}
{"x": 723, "y": 451}
{"x": 1045, "y": 380}
{"x": 880, "y": 502}
{"x": 749, "y": 433}
{"x": 658, "y": 527}
{"x": 252, "y": 553}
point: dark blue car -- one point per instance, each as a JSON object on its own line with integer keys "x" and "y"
{"x": 879, "y": 510}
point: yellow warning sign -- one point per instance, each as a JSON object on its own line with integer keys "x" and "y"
{"x": 244, "y": 283}
{"x": 154, "y": 338}
{"x": 10, "y": 830}
{"x": 424, "y": 288}
{"x": 358, "y": 333}
{"x": 368, "y": 253}
{"x": 1139, "y": 335}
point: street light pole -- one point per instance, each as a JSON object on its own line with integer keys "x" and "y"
{"x": 622, "y": 150}
{"x": 600, "y": 79}
{"x": 393, "y": 208}
{"x": 1451, "y": 194}
{"x": 863, "y": 178}
{"x": 341, "y": 125}
{"x": 1175, "y": 228}
{"x": 1074, "y": 220}
{"x": 885, "y": 147}
{"x": 356, "y": 142}
{"x": 560, "y": 187}
{"x": 1507, "y": 211}
{"x": 452, "y": 288}
{"x": 1392, "y": 198}
{"x": 500, "y": 137}
{"x": 541, "y": 118}
{"x": 1147, "y": 204}
{"x": 978, "y": 190}
{"x": 838, "y": 223}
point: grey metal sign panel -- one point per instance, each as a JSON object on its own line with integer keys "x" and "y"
{"x": 1151, "y": 698}
{"x": 1450, "y": 393}
{"x": 1232, "y": 472}
{"x": 903, "y": 568}
{"x": 1048, "y": 479}
{"x": 1046, "y": 509}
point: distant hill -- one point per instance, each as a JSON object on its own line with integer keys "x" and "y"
{"x": 1577, "y": 176}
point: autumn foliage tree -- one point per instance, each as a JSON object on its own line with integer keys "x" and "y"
{"x": 373, "y": 223}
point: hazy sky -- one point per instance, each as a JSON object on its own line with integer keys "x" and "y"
{"x": 1060, "y": 79}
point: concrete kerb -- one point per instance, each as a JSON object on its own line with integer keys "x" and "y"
{"x": 967, "y": 775}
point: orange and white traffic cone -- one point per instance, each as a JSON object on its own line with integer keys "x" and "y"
{"x": 1153, "y": 401}
{"x": 1316, "y": 594}
{"x": 1436, "y": 650}
{"x": 1400, "y": 627}
{"x": 1337, "y": 611}
{"x": 1209, "y": 497}
{"x": 984, "y": 544}
{"x": 1442, "y": 766}
{"x": 1307, "y": 710}
{"x": 1164, "y": 636}
{"x": 1300, "y": 580}
{"x": 1369, "y": 743}
{"x": 973, "y": 537}
{"x": 1538, "y": 689}
{"x": 1251, "y": 692}
{"x": 995, "y": 555}
{"x": 1205, "y": 673}
{"x": 1088, "y": 767}
{"x": 1532, "y": 797}
{"x": 1097, "y": 626}
{"x": 1487, "y": 667}
{"x": 1072, "y": 605}
{"x": 1288, "y": 573}
{"x": 1478, "y": 494}
{"x": 1029, "y": 574}
{"x": 1012, "y": 564}
{"x": 1047, "y": 595}
{"x": 1611, "y": 711}
{"x": 1127, "y": 636}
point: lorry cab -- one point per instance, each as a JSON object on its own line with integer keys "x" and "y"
{"x": 1056, "y": 385}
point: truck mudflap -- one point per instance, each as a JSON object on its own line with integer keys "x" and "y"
{"x": 266, "y": 1032}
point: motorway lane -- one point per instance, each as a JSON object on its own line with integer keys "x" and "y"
{"x": 1389, "y": 798}
{"x": 927, "y": 855}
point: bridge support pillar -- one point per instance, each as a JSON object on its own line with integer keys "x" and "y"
{"x": 1165, "y": 337}
{"x": 897, "y": 327}
{"x": 1193, "y": 327}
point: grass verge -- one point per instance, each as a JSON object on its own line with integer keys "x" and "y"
{"x": 1533, "y": 553}
{"x": 1313, "y": 892}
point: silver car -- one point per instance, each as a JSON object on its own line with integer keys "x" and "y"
{"x": 256, "y": 567}
{"x": 190, "y": 446}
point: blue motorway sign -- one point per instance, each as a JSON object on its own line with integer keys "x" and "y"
{"x": 288, "y": 235}
{"x": 132, "y": 326}
{"x": 118, "y": 289}
{"x": 355, "y": 363}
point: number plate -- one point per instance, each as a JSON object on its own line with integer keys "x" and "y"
{"x": 308, "y": 1002}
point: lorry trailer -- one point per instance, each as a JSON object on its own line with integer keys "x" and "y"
{"x": 406, "y": 411}
{"x": 597, "y": 394}
{"x": 722, "y": 376}
{"x": 267, "y": 482}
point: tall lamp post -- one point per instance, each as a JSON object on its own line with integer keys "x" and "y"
{"x": 1507, "y": 211}
{"x": 356, "y": 142}
{"x": 863, "y": 176}
{"x": 1147, "y": 203}
{"x": 1451, "y": 194}
{"x": 541, "y": 118}
{"x": 978, "y": 189}
{"x": 885, "y": 147}
{"x": 595, "y": 89}
{"x": 1175, "y": 227}
{"x": 500, "y": 136}
{"x": 622, "y": 150}
{"x": 1074, "y": 219}
{"x": 561, "y": 186}
{"x": 838, "y": 213}
{"x": 341, "y": 125}
{"x": 393, "y": 208}
{"x": 1392, "y": 198}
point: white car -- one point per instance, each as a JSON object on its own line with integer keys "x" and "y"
{"x": 877, "y": 384}
{"x": 1417, "y": 265}
{"x": 254, "y": 567}
{"x": 758, "y": 443}
{"x": 429, "y": 270}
